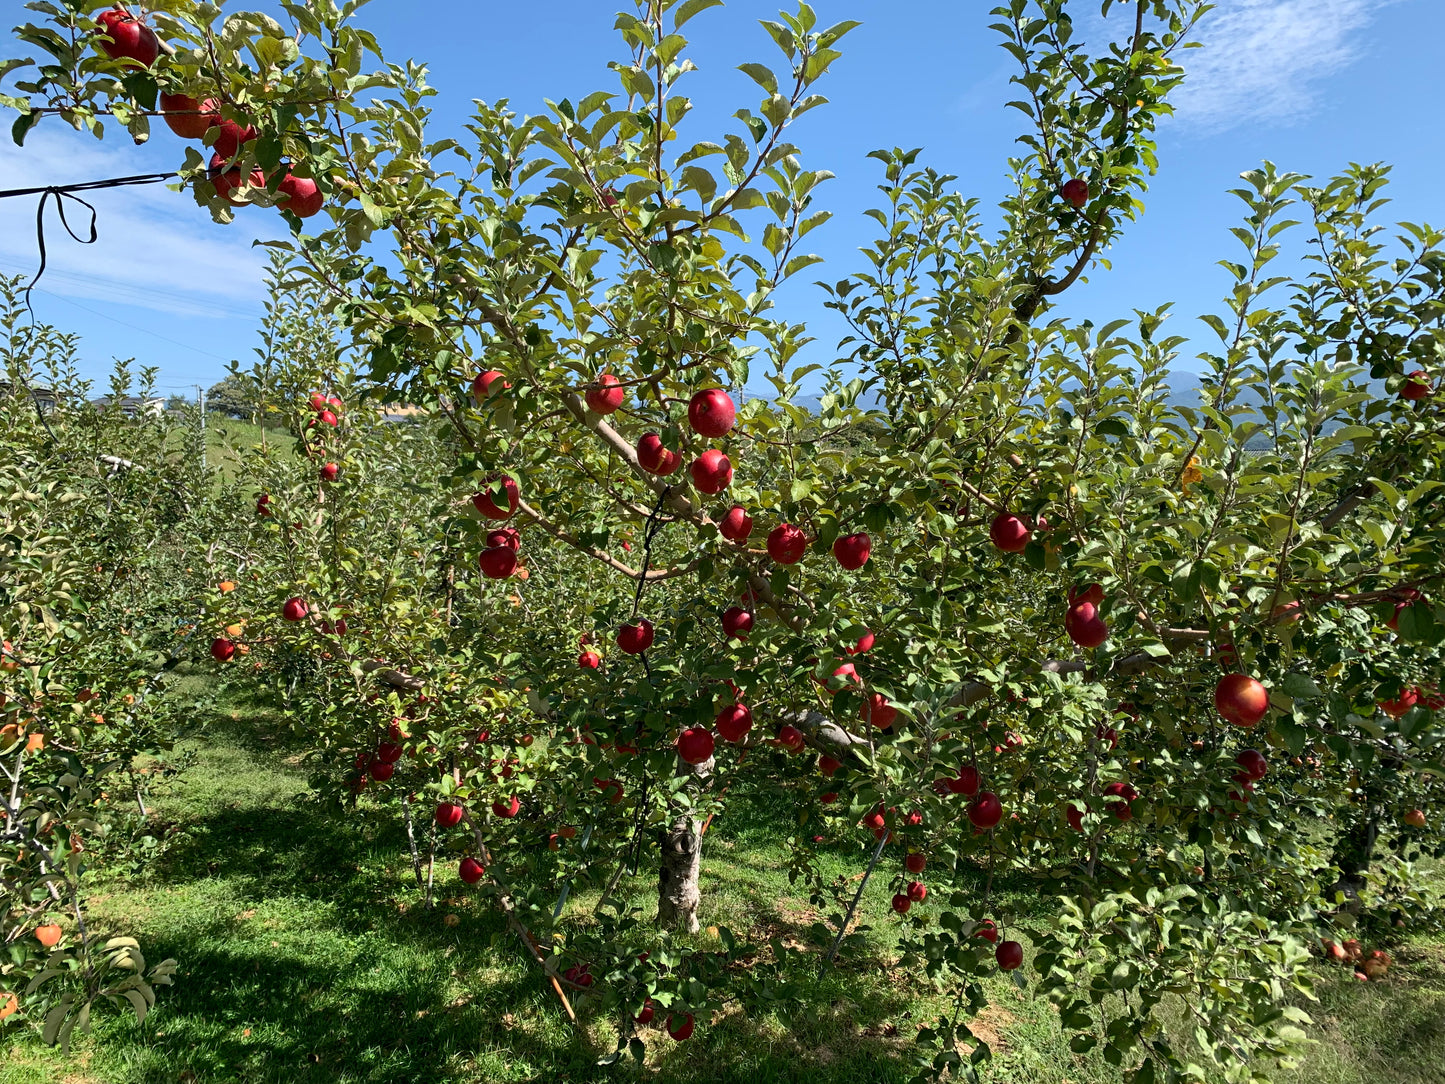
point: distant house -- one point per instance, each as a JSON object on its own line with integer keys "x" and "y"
{"x": 45, "y": 398}
{"x": 132, "y": 405}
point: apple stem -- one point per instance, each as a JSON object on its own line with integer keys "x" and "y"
{"x": 852, "y": 907}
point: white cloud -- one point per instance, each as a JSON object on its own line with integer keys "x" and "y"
{"x": 1265, "y": 60}
{"x": 156, "y": 249}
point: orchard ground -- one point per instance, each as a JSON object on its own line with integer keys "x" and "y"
{"x": 307, "y": 955}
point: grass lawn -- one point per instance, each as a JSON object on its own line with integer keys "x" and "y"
{"x": 305, "y": 956}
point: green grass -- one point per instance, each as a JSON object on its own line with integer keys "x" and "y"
{"x": 305, "y": 957}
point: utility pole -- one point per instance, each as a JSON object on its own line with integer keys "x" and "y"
{"x": 201, "y": 399}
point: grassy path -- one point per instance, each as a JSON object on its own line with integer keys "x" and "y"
{"x": 305, "y": 957}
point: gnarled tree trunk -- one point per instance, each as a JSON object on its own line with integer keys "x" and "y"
{"x": 678, "y": 894}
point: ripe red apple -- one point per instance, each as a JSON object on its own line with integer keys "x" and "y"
{"x": 449, "y": 814}
{"x": 852, "y": 551}
{"x": 303, "y": 196}
{"x": 1075, "y": 816}
{"x": 735, "y": 525}
{"x": 328, "y": 419}
{"x": 225, "y": 181}
{"x": 509, "y": 537}
{"x": 790, "y": 738}
{"x": 1253, "y": 763}
{"x": 828, "y": 765}
{"x": 828, "y": 797}
{"x": 878, "y": 711}
{"x": 967, "y": 782}
{"x": 654, "y": 458}
{"x": 567, "y": 831}
{"x": 1415, "y": 818}
{"x": 498, "y": 562}
{"x": 865, "y": 643}
{"x": 230, "y": 137}
{"x": 1417, "y": 386}
{"x": 695, "y": 745}
{"x": 643, "y": 1018}
{"x": 484, "y": 384}
{"x": 222, "y": 650}
{"x": 680, "y": 1027}
{"x": 589, "y": 660}
{"x": 611, "y": 790}
{"x": 786, "y": 544}
{"x": 1010, "y": 955}
{"x": 187, "y": 117}
{"x": 1084, "y": 625}
{"x": 987, "y": 930}
{"x": 986, "y": 810}
{"x": 1075, "y": 191}
{"x": 335, "y": 404}
{"x": 380, "y": 770}
{"x": 711, "y": 471}
{"x": 1008, "y": 533}
{"x": 711, "y": 412}
{"x": 901, "y": 903}
{"x": 1093, "y": 593}
{"x": 130, "y": 39}
{"x": 635, "y": 638}
{"x": 1401, "y": 704}
{"x": 1126, "y": 794}
{"x": 734, "y": 722}
{"x": 606, "y": 395}
{"x": 261, "y": 502}
{"x": 497, "y": 486}
{"x": 295, "y": 609}
{"x": 1240, "y": 700}
{"x": 915, "y": 862}
{"x": 334, "y": 628}
{"x": 917, "y": 891}
{"x": 329, "y": 472}
{"x": 737, "y": 622}
{"x": 388, "y": 752}
{"x": 508, "y": 809}
{"x": 471, "y": 871}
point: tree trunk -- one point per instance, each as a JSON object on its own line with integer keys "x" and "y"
{"x": 1352, "y": 856}
{"x": 678, "y": 894}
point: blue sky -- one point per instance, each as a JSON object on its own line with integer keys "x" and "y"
{"x": 1311, "y": 84}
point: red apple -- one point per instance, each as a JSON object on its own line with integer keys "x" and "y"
{"x": 711, "y": 412}
{"x": 915, "y": 862}
{"x": 1084, "y": 625}
{"x": 261, "y": 502}
{"x": 1010, "y": 955}
{"x": 485, "y": 383}
{"x": 680, "y": 1027}
{"x": 448, "y": 814}
{"x": 498, "y": 562}
{"x": 222, "y": 650}
{"x": 230, "y": 137}
{"x": 635, "y": 638}
{"x": 388, "y": 752}
{"x": 967, "y": 782}
{"x": 380, "y": 770}
{"x": 711, "y": 471}
{"x": 1415, "y": 818}
{"x": 497, "y": 485}
{"x": 1093, "y": 594}
{"x": 509, "y": 537}
{"x": 303, "y": 196}
{"x": 917, "y": 891}
{"x": 695, "y": 745}
{"x": 187, "y": 117}
{"x": 734, "y": 722}
{"x": 987, "y": 930}
{"x": 1241, "y": 700}
{"x": 130, "y": 39}
{"x": 737, "y": 622}
{"x": 328, "y": 419}
{"x": 1401, "y": 704}
{"x": 828, "y": 765}
{"x": 1075, "y": 816}
{"x": 828, "y": 797}
{"x": 736, "y": 525}
{"x": 865, "y": 643}
{"x": 786, "y": 544}
{"x": 606, "y": 395}
{"x": 790, "y": 738}
{"x": 295, "y": 609}
{"x": 1008, "y": 533}
{"x": 508, "y": 809}
{"x": 1075, "y": 192}
{"x": 225, "y": 181}
{"x": 611, "y": 789}
{"x": 589, "y": 660}
{"x": 986, "y": 810}
{"x": 1253, "y": 763}
{"x": 471, "y": 871}
{"x": 878, "y": 711}
{"x": 901, "y": 903}
{"x": 654, "y": 458}
{"x": 852, "y": 551}
{"x": 1418, "y": 386}
{"x": 643, "y": 1018}
{"x": 329, "y": 472}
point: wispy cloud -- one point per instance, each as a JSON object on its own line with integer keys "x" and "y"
{"x": 1267, "y": 60}
{"x": 156, "y": 249}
